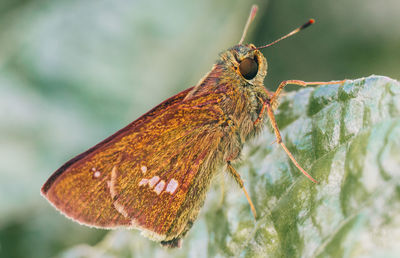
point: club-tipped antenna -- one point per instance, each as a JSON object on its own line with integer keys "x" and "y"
{"x": 305, "y": 25}
{"x": 253, "y": 13}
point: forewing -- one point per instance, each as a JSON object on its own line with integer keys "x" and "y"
{"x": 139, "y": 176}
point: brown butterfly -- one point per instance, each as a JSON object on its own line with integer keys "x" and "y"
{"x": 153, "y": 175}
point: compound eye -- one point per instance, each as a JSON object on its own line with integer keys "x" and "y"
{"x": 248, "y": 68}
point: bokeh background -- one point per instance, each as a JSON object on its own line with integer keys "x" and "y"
{"x": 73, "y": 72}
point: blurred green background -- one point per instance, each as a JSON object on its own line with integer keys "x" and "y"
{"x": 73, "y": 72}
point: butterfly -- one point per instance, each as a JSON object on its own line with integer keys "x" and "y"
{"x": 153, "y": 175}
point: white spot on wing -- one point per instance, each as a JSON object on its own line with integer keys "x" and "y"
{"x": 172, "y": 186}
{"x": 93, "y": 169}
{"x": 113, "y": 192}
{"x": 112, "y": 182}
{"x": 96, "y": 174}
{"x": 159, "y": 187}
{"x": 153, "y": 181}
{"x": 144, "y": 169}
{"x": 120, "y": 208}
{"x": 144, "y": 181}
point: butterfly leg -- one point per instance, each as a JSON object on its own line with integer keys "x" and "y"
{"x": 261, "y": 114}
{"x": 271, "y": 103}
{"x": 239, "y": 180}
{"x": 279, "y": 140}
{"x": 300, "y": 83}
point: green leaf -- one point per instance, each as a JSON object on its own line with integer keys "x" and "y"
{"x": 348, "y": 137}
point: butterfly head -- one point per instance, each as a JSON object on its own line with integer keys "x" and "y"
{"x": 247, "y": 62}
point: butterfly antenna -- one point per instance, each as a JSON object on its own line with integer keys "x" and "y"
{"x": 305, "y": 25}
{"x": 252, "y": 15}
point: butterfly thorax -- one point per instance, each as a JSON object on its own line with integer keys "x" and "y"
{"x": 249, "y": 93}
{"x": 239, "y": 99}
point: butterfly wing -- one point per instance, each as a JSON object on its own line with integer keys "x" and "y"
{"x": 140, "y": 176}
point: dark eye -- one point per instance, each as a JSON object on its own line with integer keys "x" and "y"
{"x": 248, "y": 68}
